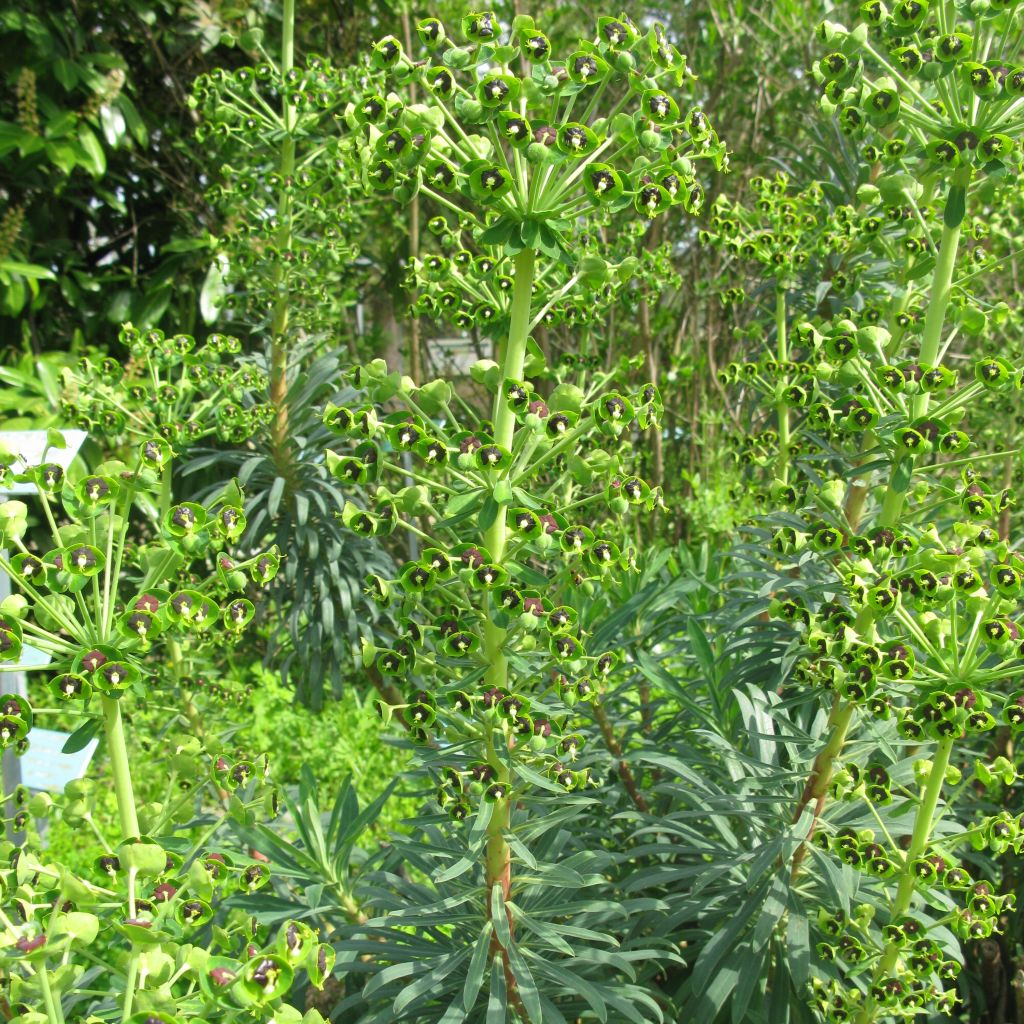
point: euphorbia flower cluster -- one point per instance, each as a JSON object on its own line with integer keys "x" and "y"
{"x": 598, "y": 129}
{"x": 173, "y": 388}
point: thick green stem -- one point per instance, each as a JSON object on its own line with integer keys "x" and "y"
{"x": 279, "y": 320}
{"x": 118, "y": 752}
{"x": 942, "y": 284}
{"x": 166, "y": 494}
{"x": 498, "y": 857}
{"x": 820, "y": 778}
{"x": 816, "y": 788}
{"x": 782, "y": 406}
{"x": 1009, "y": 464}
{"x": 51, "y": 999}
{"x": 649, "y": 345}
{"x": 129, "y": 986}
{"x": 498, "y": 864}
{"x": 856, "y": 498}
{"x": 857, "y": 492}
{"x": 931, "y": 339}
{"x": 907, "y": 878}
{"x": 513, "y": 360}
{"x": 892, "y": 502}
{"x": 174, "y": 646}
{"x": 514, "y": 356}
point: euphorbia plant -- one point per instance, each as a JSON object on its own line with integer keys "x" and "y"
{"x": 596, "y": 132}
{"x": 471, "y": 288}
{"x": 286, "y": 273}
{"x": 937, "y": 92}
{"x": 906, "y": 610}
{"x": 171, "y": 388}
{"x": 102, "y": 604}
{"x": 516, "y": 507}
{"x": 290, "y": 205}
{"x": 778, "y": 237}
{"x": 491, "y": 659}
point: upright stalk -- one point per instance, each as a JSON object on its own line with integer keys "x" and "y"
{"x": 118, "y": 752}
{"x": 279, "y": 319}
{"x": 1008, "y": 473}
{"x": 504, "y": 421}
{"x": 166, "y": 494}
{"x": 51, "y": 998}
{"x": 781, "y": 405}
{"x": 908, "y": 880}
{"x": 954, "y": 214}
{"x": 899, "y": 481}
{"x": 857, "y": 492}
{"x": 514, "y": 356}
{"x": 647, "y": 340}
{"x": 498, "y": 856}
{"x": 174, "y": 646}
{"x": 816, "y": 789}
{"x": 942, "y": 278}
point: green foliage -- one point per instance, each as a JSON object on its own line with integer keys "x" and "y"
{"x": 32, "y": 390}
{"x": 97, "y": 216}
{"x": 345, "y": 740}
{"x": 97, "y": 606}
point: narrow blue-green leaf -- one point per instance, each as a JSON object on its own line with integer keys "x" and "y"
{"x": 798, "y": 945}
{"x": 475, "y": 971}
{"x": 430, "y": 983}
{"x": 499, "y": 916}
{"x": 750, "y": 964}
{"x": 496, "y": 1002}
{"x": 525, "y": 985}
{"x": 724, "y": 940}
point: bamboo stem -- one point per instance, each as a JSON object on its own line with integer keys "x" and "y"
{"x": 279, "y": 320}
